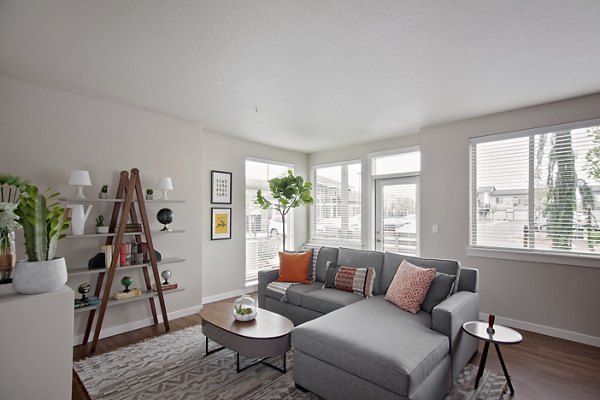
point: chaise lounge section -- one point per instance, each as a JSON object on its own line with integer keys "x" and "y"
{"x": 350, "y": 347}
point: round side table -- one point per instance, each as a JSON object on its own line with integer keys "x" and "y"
{"x": 500, "y": 335}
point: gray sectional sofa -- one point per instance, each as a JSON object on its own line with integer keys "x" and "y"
{"x": 350, "y": 347}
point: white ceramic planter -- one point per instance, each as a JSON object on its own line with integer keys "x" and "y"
{"x": 39, "y": 276}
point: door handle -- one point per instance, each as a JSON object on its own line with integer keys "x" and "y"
{"x": 379, "y": 240}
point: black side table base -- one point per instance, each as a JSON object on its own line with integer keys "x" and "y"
{"x": 510, "y": 386}
{"x": 486, "y": 348}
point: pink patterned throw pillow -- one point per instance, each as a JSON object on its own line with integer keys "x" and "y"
{"x": 410, "y": 286}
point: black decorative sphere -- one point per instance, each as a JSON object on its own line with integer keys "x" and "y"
{"x": 165, "y": 216}
{"x": 84, "y": 288}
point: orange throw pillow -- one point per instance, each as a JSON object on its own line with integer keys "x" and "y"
{"x": 293, "y": 267}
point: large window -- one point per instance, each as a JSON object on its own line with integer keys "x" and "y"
{"x": 264, "y": 228}
{"x": 537, "y": 190}
{"x": 336, "y": 210}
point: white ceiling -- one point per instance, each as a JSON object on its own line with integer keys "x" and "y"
{"x": 323, "y": 73}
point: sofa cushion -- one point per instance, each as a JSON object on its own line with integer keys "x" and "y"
{"x": 327, "y": 300}
{"x": 375, "y": 340}
{"x": 410, "y": 286}
{"x": 310, "y": 263}
{"x": 293, "y": 267}
{"x": 363, "y": 259}
{"x": 351, "y": 279}
{"x": 294, "y": 292}
{"x": 440, "y": 289}
{"x": 391, "y": 261}
{"x": 313, "y": 262}
{"x": 325, "y": 254}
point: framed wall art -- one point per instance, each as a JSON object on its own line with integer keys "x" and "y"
{"x": 220, "y": 187}
{"x": 220, "y": 223}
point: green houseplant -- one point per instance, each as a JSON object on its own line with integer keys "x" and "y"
{"x": 288, "y": 192}
{"x": 44, "y": 223}
{"x": 103, "y": 192}
{"x": 100, "y": 228}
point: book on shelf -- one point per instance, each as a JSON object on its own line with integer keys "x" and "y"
{"x": 107, "y": 249}
{"x": 133, "y": 253}
{"x": 129, "y": 228}
{"x": 168, "y": 286}
{"x": 135, "y": 292}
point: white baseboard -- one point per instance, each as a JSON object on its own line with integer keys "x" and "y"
{"x": 234, "y": 293}
{"x": 133, "y": 325}
{"x": 545, "y": 330}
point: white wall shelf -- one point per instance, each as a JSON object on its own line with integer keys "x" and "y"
{"x": 113, "y": 302}
{"x": 87, "y": 200}
{"x": 99, "y": 235}
{"x": 87, "y": 271}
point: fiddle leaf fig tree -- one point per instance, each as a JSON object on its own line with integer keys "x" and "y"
{"x": 287, "y": 192}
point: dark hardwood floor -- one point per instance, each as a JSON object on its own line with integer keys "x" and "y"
{"x": 541, "y": 367}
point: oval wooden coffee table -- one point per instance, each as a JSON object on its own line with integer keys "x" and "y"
{"x": 266, "y": 336}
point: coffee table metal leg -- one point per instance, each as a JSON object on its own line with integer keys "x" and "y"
{"x": 261, "y": 361}
{"x": 486, "y": 347}
{"x": 206, "y": 352}
{"x": 512, "y": 390}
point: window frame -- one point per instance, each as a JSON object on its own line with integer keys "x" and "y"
{"x": 313, "y": 173}
{"x": 393, "y": 152}
{"x": 532, "y": 255}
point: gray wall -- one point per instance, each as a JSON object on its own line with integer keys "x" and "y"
{"x": 549, "y": 295}
{"x": 45, "y": 133}
{"x": 223, "y": 261}
{"x": 559, "y": 299}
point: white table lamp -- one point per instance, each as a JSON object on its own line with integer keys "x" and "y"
{"x": 164, "y": 183}
{"x": 80, "y": 179}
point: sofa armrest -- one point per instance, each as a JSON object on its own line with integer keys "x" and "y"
{"x": 264, "y": 278}
{"x": 448, "y": 317}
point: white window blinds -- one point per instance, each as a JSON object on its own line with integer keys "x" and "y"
{"x": 537, "y": 190}
{"x": 264, "y": 228}
{"x": 336, "y": 208}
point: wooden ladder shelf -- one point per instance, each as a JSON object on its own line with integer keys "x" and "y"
{"x": 129, "y": 189}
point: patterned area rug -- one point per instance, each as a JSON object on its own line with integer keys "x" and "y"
{"x": 173, "y": 366}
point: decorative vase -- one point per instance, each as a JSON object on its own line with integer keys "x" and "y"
{"x": 244, "y": 308}
{"x": 33, "y": 277}
{"x": 78, "y": 217}
{"x": 7, "y": 255}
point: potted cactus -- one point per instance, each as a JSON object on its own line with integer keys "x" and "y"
{"x": 100, "y": 228}
{"x": 44, "y": 223}
{"x": 103, "y": 192}
{"x": 149, "y": 194}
